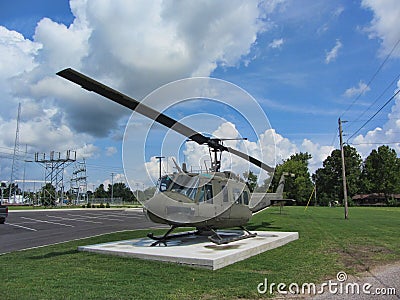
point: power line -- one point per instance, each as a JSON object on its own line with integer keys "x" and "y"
{"x": 378, "y": 98}
{"x": 374, "y": 143}
{"x": 378, "y": 111}
{"x": 372, "y": 78}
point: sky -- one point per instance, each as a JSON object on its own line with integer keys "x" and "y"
{"x": 300, "y": 65}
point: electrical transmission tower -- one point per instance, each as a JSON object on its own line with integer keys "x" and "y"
{"x": 79, "y": 182}
{"x": 15, "y": 160}
{"x": 55, "y": 165}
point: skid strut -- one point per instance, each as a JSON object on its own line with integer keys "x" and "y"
{"x": 218, "y": 239}
{"x": 168, "y": 236}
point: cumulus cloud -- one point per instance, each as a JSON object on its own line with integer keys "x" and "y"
{"x": 16, "y": 52}
{"x": 333, "y": 53}
{"x": 271, "y": 148}
{"x": 115, "y": 178}
{"x": 147, "y": 45}
{"x": 384, "y": 24}
{"x": 388, "y": 134}
{"x": 361, "y": 89}
{"x": 277, "y": 43}
{"x": 110, "y": 151}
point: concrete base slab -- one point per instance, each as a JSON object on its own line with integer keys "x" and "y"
{"x": 196, "y": 250}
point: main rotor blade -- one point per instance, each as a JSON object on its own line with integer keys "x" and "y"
{"x": 105, "y": 91}
{"x": 251, "y": 159}
{"x": 109, "y": 93}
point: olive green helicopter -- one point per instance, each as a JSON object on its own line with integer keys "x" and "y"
{"x": 208, "y": 200}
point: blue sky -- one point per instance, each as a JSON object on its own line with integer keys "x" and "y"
{"x": 306, "y": 63}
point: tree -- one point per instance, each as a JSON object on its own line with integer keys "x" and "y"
{"x": 251, "y": 180}
{"x": 298, "y": 187}
{"x": 329, "y": 178}
{"x": 381, "y": 172}
{"x": 120, "y": 189}
{"x": 100, "y": 192}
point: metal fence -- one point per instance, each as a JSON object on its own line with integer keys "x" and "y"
{"x": 111, "y": 201}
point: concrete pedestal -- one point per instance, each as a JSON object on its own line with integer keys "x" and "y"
{"x": 196, "y": 250}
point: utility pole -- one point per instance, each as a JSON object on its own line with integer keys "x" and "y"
{"x": 346, "y": 209}
{"x": 160, "y": 158}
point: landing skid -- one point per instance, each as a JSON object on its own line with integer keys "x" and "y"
{"x": 167, "y": 236}
{"x": 220, "y": 240}
{"x": 216, "y": 238}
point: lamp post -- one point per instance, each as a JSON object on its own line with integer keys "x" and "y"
{"x": 160, "y": 158}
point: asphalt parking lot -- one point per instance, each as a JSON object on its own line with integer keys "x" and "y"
{"x": 28, "y": 229}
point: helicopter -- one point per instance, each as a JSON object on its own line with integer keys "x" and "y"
{"x": 207, "y": 201}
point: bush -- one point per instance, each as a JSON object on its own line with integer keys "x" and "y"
{"x": 83, "y": 205}
{"x": 108, "y": 205}
{"x": 393, "y": 202}
{"x": 88, "y": 205}
{"x": 101, "y": 205}
{"x": 93, "y": 206}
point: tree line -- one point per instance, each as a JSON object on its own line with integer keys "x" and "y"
{"x": 378, "y": 173}
{"x": 49, "y": 196}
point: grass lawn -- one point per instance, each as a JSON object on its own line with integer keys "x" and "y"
{"x": 327, "y": 244}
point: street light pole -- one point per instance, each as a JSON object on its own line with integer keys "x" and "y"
{"x": 112, "y": 187}
{"x": 160, "y": 158}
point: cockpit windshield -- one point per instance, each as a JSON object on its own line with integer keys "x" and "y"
{"x": 188, "y": 186}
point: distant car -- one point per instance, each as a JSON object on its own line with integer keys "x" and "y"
{"x": 3, "y": 213}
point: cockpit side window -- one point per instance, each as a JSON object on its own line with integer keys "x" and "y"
{"x": 224, "y": 189}
{"x": 237, "y": 194}
{"x": 206, "y": 194}
{"x": 245, "y": 198}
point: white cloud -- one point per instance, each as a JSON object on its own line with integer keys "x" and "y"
{"x": 385, "y": 24}
{"x": 333, "y": 53}
{"x": 110, "y": 151}
{"x": 196, "y": 156}
{"x": 355, "y": 91}
{"x": 62, "y": 46}
{"x": 388, "y": 134}
{"x": 318, "y": 152}
{"x": 146, "y": 45}
{"x": 16, "y": 52}
{"x": 277, "y": 43}
{"x": 114, "y": 178}
{"x": 338, "y": 12}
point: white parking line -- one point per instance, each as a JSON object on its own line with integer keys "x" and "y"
{"x": 27, "y": 228}
{"x": 103, "y": 217}
{"x": 42, "y": 221}
{"x": 71, "y": 219}
{"x": 126, "y": 216}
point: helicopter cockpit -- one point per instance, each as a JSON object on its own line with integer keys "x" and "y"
{"x": 197, "y": 188}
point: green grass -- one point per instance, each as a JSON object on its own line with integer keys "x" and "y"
{"x": 328, "y": 244}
